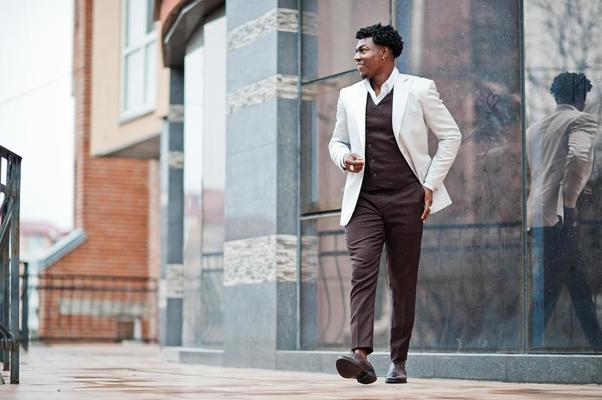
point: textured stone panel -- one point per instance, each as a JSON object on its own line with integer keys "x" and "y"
{"x": 262, "y": 259}
{"x": 278, "y": 19}
{"x": 282, "y": 86}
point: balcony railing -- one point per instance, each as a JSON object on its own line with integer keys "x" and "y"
{"x": 10, "y": 185}
{"x": 92, "y": 308}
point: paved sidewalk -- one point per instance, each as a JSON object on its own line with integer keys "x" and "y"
{"x": 136, "y": 372}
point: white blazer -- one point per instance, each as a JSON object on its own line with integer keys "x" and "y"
{"x": 416, "y": 105}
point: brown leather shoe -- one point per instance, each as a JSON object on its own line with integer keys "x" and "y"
{"x": 350, "y": 366}
{"x": 397, "y": 372}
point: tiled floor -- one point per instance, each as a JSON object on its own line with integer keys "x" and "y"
{"x": 136, "y": 372}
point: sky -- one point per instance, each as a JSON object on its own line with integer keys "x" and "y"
{"x": 36, "y": 104}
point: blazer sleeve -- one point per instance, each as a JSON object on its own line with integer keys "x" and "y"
{"x": 442, "y": 124}
{"x": 339, "y": 144}
{"x": 580, "y": 158}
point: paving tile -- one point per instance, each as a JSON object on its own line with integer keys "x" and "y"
{"x": 137, "y": 372}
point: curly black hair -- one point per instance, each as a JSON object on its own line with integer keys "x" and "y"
{"x": 384, "y": 36}
{"x": 570, "y": 87}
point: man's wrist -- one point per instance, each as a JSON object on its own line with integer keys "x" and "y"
{"x": 429, "y": 186}
{"x": 571, "y": 216}
{"x": 343, "y": 160}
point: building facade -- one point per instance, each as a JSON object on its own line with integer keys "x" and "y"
{"x": 254, "y": 270}
{"x": 266, "y": 273}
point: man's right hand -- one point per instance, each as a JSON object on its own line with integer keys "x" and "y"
{"x": 353, "y": 162}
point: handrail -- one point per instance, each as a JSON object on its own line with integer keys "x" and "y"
{"x": 10, "y": 187}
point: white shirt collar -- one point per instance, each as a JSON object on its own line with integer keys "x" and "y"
{"x": 565, "y": 106}
{"x": 385, "y": 89}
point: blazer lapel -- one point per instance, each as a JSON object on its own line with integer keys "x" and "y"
{"x": 360, "y": 114}
{"x": 400, "y": 99}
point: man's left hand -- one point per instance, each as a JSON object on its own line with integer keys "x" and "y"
{"x": 428, "y": 201}
{"x": 571, "y": 222}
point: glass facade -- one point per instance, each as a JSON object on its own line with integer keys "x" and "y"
{"x": 204, "y": 180}
{"x": 504, "y": 269}
{"x": 321, "y": 184}
{"x": 483, "y": 283}
{"x": 328, "y": 43}
{"x": 563, "y": 180}
{"x": 329, "y": 28}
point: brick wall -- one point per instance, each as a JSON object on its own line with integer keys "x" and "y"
{"x": 112, "y": 199}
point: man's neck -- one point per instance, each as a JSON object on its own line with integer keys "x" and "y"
{"x": 377, "y": 81}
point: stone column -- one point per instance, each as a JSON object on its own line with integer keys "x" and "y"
{"x": 261, "y": 182}
{"x": 172, "y": 214}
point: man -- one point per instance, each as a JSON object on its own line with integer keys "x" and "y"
{"x": 560, "y": 154}
{"x": 380, "y": 141}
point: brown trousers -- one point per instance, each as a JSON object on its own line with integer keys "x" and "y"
{"x": 390, "y": 217}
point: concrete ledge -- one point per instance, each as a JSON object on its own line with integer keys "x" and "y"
{"x": 199, "y": 356}
{"x": 545, "y": 368}
{"x": 534, "y": 368}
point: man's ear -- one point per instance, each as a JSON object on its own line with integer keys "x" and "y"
{"x": 385, "y": 52}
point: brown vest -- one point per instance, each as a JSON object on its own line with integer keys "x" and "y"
{"x": 385, "y": 168}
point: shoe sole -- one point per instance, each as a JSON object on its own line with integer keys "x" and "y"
{"x": 396, "y": 380}
{"x": 350, "y": 369}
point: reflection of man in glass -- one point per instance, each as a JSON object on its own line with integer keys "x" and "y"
{"x": 560, "y": 151}
{"x": 380, "y": 140}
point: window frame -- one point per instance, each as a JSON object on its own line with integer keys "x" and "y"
{"x": 148, "y": 91}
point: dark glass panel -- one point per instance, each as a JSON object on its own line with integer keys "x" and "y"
{"x": 329, "y": 28}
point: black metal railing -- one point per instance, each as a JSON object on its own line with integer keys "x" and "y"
{"x": 92, "y": 308}
{"x": 24, "y": 333}
{"x": 10, "y": 185}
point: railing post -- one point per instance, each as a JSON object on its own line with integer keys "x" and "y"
{"x": 14, "y": 266}
{"x": 25, "y": 308}
{"x": 4, "y": 311}
{"x": 9, "y": 263}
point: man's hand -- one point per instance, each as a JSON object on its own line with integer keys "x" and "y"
{"x": 571, "y": 222}
{"x": 428, "y": 201}
{"x": 353, "y": 162}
